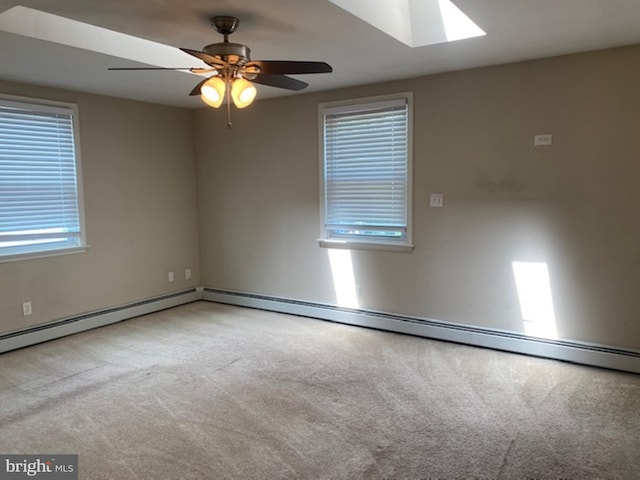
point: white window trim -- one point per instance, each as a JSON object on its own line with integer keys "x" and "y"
{"x": 389, "y": 245}
{"x": 53, "y": 105}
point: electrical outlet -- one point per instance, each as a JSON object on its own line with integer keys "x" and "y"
{"x": 171, "y": 278}
{"x": 187, "y": 274}
{"x": 437, "y": 200}
{"x": 26, "y": 309}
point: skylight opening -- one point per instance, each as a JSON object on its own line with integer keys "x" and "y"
{"x": 457, "y": 25}
{"x": 416, "y": 23}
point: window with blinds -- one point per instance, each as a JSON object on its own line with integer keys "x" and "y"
{"x": 366, "y": 162}
{"x": 40, "y": 204}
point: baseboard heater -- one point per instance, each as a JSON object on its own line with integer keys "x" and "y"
{"x": 569, "y": 351}
{"x": 87, "y": 321}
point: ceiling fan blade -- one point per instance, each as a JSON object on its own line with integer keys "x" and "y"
{"x": 280, "y": 67}
{"x": 205, "y": 57}
{"x": 176, "y": 69}
{"x": 280, "y": 81}
{"x": 146, "y": 68}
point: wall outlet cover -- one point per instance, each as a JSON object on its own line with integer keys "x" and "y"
{"x": 436, "y": 200}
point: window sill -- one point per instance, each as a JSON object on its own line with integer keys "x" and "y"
{"x": 355, "y": 245}
{"x": 43, "y": 254}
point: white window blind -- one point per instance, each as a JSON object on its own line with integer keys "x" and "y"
{"x": 366, "y": 171}
{"x": 40, "y": 209}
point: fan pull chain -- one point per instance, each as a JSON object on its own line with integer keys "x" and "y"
{"x": 228, "y": 92}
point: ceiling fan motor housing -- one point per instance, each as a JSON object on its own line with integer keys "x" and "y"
{"x": 233, "y": 53}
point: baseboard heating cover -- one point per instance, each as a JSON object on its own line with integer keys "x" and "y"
{"x": 87, "y": 321}
{"x": 569, "y": 351}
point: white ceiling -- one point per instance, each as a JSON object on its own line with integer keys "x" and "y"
{"x": 305, "y": 30}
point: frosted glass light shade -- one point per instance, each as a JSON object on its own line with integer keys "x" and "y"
{"x": 242, "y": 92}
{"x": 212, "y": 92}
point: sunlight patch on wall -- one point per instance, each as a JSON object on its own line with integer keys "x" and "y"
{"x": 536, "y": 301}
{"x": 344, "y": 281}
{"x": 64, "y": 31}
{"x": 416, "y": 23}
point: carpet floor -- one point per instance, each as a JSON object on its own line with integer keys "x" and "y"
{"x": 210, "y": 391}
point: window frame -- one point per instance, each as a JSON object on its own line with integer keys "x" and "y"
{"x": 367, "y": 243}
{"x": 66, "y": 108}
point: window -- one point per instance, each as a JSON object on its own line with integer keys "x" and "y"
{"x": 366, "y": 172}
{"x": 40, "y": 200}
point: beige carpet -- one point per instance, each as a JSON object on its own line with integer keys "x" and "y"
{"x": 208, "y": 391}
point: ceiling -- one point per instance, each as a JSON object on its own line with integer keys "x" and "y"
{"x": 304, "y": 30}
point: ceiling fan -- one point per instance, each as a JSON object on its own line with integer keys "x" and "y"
{"x": 232, "y": 70}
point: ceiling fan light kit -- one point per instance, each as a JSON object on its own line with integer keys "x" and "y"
{"x": 233, "y": 71}
{"x": 213, "y": 91}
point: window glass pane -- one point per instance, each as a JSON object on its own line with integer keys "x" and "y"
{"x": 366, "y": 170}
{"x": 39, "y": 201}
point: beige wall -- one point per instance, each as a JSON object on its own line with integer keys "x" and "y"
{"x": 140, "y": 202}
{"x": 573, "y": 206}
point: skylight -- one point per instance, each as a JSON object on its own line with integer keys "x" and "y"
{"x": 52, "y": 28}
{"x": 416, "y": 23}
